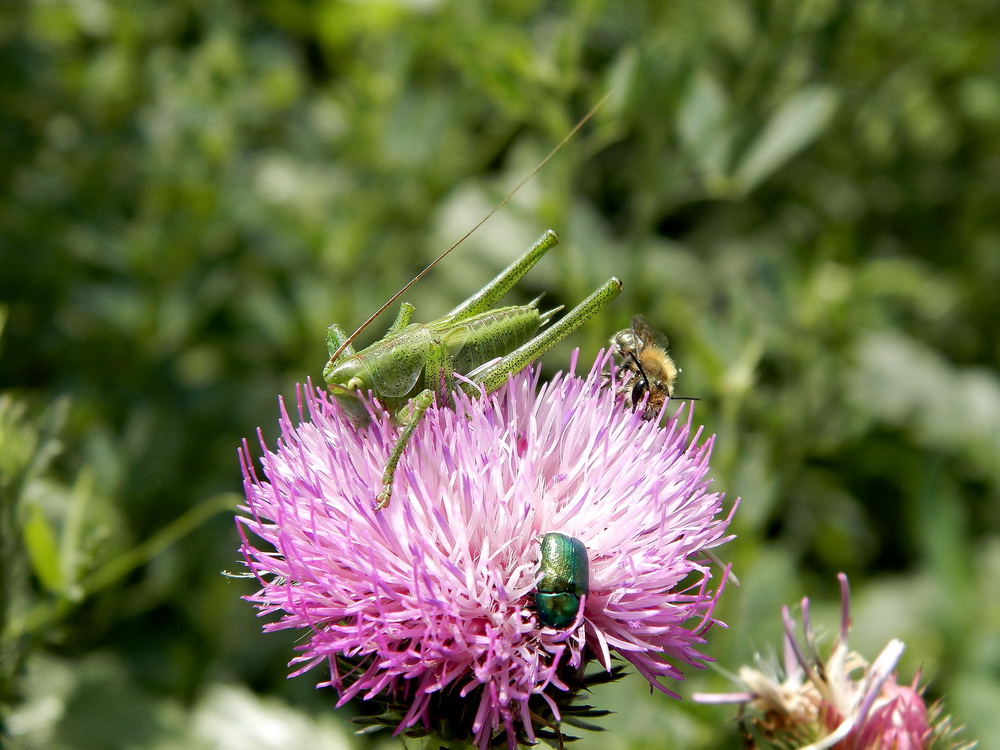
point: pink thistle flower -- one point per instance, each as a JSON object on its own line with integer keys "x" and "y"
{"x": 429, "y": 605}
{"x": 843, "y": 703}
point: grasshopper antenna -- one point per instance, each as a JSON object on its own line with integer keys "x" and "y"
{"x": 482, "y": 221}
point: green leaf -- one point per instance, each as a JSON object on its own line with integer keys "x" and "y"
{"x": 40, "y": 541}
{"x": 796, "y": 124}
{"x": 701, "y": 124}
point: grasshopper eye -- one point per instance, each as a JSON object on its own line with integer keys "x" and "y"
{"x": 355, "y": 384}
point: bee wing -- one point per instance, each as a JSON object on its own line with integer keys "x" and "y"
{"x": 647, "y": 334}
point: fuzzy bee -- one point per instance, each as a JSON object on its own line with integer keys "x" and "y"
{"x": 646, "y": 367}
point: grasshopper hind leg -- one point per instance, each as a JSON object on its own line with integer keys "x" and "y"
{"x": 493, "y": 377}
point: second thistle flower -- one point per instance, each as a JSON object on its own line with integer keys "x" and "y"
{"x": 838, "y": 703}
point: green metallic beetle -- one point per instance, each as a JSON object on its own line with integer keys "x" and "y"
{"x": 565, "y": 578}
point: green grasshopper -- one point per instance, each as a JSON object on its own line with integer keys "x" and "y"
{"x": 416, "y": 363}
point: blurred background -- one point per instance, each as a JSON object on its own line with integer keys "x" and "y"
{"x": 802, "y": 196}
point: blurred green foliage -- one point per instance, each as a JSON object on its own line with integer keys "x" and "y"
{"x": 802, "y": 196}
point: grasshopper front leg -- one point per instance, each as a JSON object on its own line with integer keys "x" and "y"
{"x": 439, "y": 369}
{"x": 414, "y": 414}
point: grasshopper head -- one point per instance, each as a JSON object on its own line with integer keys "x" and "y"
{"x": 345, "y": 378}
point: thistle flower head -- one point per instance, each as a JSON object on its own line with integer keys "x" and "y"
{"x": 429, "y": 605}
{"x": 843, "y": 702}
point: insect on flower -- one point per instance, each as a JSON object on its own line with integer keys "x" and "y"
{"x": 416, "y": 364}
{"x": 646, "y": 367}
{"x": 565, "y": 579}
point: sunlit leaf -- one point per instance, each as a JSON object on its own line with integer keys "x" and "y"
{"x": 796, "y": 124}
{"x": 40, "y": 541}
{"x": 702, "y": 123}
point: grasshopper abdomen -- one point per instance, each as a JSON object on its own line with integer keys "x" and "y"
{"x": 489, "y": 335}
